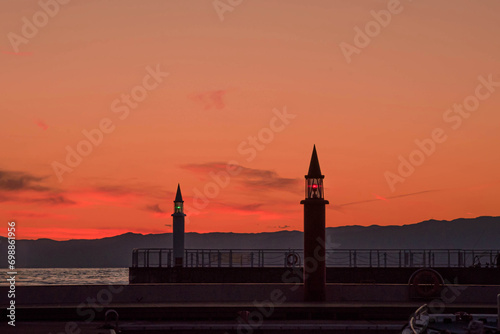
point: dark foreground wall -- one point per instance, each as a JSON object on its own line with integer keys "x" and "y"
{"x": 223, "y": 301}
{"x": 484, "y": 276}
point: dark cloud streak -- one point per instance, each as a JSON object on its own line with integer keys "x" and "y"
{"x": 340, "y": 206}
{"x": 19, "y": 181}
{"x": 250, "y": 178}
{"x": 53, "y": 200}
{"x": 154, "y": 208}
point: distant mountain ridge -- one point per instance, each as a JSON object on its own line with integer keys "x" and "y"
{"x": 473, "y": 233}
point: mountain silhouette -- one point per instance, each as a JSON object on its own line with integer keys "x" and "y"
{"x": 474, "y": 233}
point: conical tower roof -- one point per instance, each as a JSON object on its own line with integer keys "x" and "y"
{"x": 314, "y": 169}
{"x": 178, "y": 196}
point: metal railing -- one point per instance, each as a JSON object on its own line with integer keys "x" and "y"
{"x": 378, "y": 258}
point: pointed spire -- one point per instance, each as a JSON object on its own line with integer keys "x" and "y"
{"x": 314, "y": 169}
{"x": 178, "y": 196}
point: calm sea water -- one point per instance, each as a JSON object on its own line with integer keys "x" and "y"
{"x": 46, "y": 276}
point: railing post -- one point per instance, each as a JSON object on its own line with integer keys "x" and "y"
{"x": 355, "y": 259}
{"x": 230, "y": 258}
{"x": 378, "y": 259}
{"x": 218, "y": 258}
{"x": 385, "y": 259}
{"x": 251, "y": 259}
{"x": 202, "y": 258}
{"x": 350, "y": 259}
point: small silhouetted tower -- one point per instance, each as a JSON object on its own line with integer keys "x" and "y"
{"x": 314, "y": 233}
{"x": 178, "y": 222}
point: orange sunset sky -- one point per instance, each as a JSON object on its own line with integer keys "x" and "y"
{"x": 179, "y": 89}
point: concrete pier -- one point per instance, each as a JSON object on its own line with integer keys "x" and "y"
{"x": 468, "y": 276}
{"x": 223, "y": 301}
{"x": 217, "y": 308}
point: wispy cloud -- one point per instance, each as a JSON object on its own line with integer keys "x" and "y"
{"x": 33, "y": 214}
{"x": 156, "y": 211}
{"x": 41, "y": 124}
{"x": 264, "y": 179}
{"x": 210, "y": 99}
{"x": 251, "y": 179}
{"x": 17, "y": 53}
{"x": 246, "y": 210}
{"x": 154, "y": 208}
{"x": 143, "y": 190}
{"x": 22, "y": 187}
{"x": 245, "y": 207}
{"x": 205, "y": 168}
{"x": 52, "y": 200}
{"x": 19, "y": 181}
{"x": 380, "y": 198}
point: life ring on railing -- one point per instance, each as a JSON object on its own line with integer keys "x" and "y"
{"x": 292, "y": 260}
{"x": 426, "y": 282}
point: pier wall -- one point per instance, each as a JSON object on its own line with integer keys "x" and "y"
{"x": 222, "y": 302}
{"x": 227, "y": 293}
{"x": 483, "y": 276}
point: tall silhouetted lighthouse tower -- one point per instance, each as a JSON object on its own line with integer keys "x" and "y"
{"x": 314, "y": 233}
{"x": 178, "y": 234}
